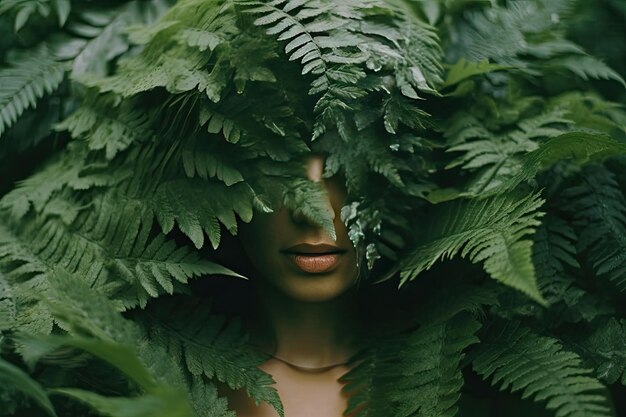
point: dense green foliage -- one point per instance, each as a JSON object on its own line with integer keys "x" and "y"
{"x": 134, "y": 135}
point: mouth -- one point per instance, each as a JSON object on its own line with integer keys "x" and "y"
{"x": 314, "y": 258}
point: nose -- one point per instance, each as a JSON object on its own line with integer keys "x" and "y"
{"x": 315, "y": 171}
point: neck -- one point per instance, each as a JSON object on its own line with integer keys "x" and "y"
{"x": 308, "y": 334}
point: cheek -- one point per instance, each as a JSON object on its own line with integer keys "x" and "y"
{"x": 261, "y": 241}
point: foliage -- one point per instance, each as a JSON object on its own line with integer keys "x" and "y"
{"x": 135, "y": 135}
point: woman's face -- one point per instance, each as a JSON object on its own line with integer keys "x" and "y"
{"x": 298, "y": 258}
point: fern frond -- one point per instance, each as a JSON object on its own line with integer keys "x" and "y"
{"x": 553, "y": 251}
{"x": 30, "y": 77}
{"x": 210, "y": 346}
{"x": 212, "y": 202}
{"x": 464, "y": 69}
{"x": 490, "y": 230}
{"x": 205, "y": 401}
{"x": 107, "y": 124}
{"x": 587, "y": 67}
{"x": 578, "y": 147}
{"x": 605, "y": 349}
{"x": 304, "y": 26}
{"x": 151, "y": 269}
{"x": 495, "y": 155}
{"x": 24, "y": 9}
{"x": 520, "y": 360}
{"x": 415, "y": 375}
{"x": 308, "y": 200}
{"x": 599, "y": 210}
{"x": 14, "y": 377}
{"x": 99, "y": 36}
{"x": 207, "y": 160}
{"x": 7, "y": 304}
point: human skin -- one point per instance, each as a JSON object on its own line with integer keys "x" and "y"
{"x": 306, "y": 319}
{"x": 267, "y": 237}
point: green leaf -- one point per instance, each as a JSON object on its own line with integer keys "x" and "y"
{"x": 416, "y": 374}
{"x": 31, "y": 76}
{"x": 308, "y": 201}
{"x": 578, "y": 147}
{"x": 464, "y": 69}
{"x": 7, "y": 304}
{"x": 164, "y": 402}
{"x": 520, "y": 360}
{"x": 209, "y": 346}
{"x": 63, "y": 8}
{"x": 586, "y": 67}
{"x": 19, "y": 379}
{"x": 490, "y": 230}
{"x": 213, "y": 203}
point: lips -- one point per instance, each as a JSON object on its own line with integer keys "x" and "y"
{"x": 314, "y": 258}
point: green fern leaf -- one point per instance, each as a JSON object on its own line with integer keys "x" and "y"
{"x": 205, "y": 401}
{"x": 309, "y": 200}
{"x": 30, "y": 77}
{"x": 578, "y": 147}
{"x": 15, "y": 377}
{"x": 521, "y": 360}
{"x": 207, "y": 160}
{"x": 599, "y": 210}
{"x": 605, "y": 348}
{"x": 100, "y": 35}
{"x": 108, "y": 125}
{"x": 586, "y": 67}
{"x": 490, "y": 230}
{"x": 464, "y": 69}
{"x": 414, "y": 375}
{"x": 7, "y": 304}
{"x": 553, "y": 251}
{"x": 210, "y": 346}
{"x": 151, "y": 269}
{"x": 212, "y": 202}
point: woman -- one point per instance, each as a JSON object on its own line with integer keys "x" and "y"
{"x": 307, "y": 319}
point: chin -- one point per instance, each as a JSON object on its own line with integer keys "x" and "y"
{"x": 316, "y": 290}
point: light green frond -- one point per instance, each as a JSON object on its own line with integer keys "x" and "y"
{"x": 491, "y": 231}
{"x": 517, "y": 359}
{"x": 463, "y": 69}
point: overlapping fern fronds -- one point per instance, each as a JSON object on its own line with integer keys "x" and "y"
{"x": 518, "y": 359}
{"x": 412, "y": 375}
{"x": 462, "y": 131}
{"x": 491, "y": 230}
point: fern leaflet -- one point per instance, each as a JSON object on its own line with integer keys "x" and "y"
{"x": 30, "y": 77}
{"x": 490, "y": 230}
{"x": 519, "y": 359}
